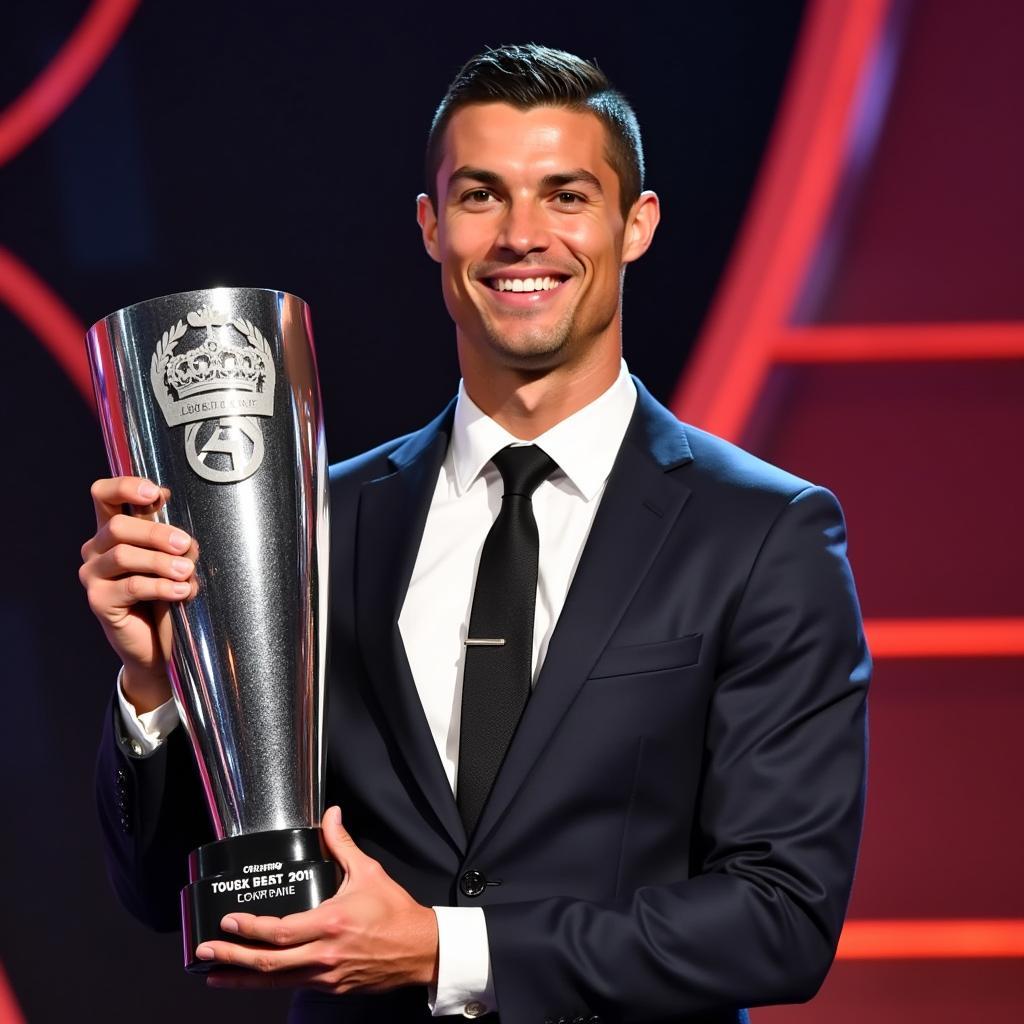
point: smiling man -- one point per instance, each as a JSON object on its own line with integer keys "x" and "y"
{"x": 537, "y": 183}
{"x": 598, "y": 678}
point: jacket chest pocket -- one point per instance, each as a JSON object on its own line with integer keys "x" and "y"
{"x": 638, "y": 659}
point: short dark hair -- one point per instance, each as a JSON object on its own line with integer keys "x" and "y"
{"x": 528, "y": 75}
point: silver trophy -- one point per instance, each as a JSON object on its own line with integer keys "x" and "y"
{"x": 214, "y": 395}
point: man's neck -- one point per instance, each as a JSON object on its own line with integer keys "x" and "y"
{"x": 528, "y": 403}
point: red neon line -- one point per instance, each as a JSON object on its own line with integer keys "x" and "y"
{"x": 931, "y": 940}
{"x": 43, "y": 312}
{"x": 26, "y": 294}
{"x": 43, "y": 101}
{"x": 787, "y": 215}
{"x": 901, "y": 343}
{"x": 9, "y": 1010}
{"x": 945, "y": 638}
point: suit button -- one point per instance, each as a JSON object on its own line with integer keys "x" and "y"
{"x": 472, "y": 883}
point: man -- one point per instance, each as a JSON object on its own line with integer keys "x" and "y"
{"x": 600, "y": 754}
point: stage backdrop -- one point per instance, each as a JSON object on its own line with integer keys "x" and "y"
{"x": 828, "y": 176}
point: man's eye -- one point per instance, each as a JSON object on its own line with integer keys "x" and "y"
{"x": 478, "y": 195}
{"x": 569, "y": 198}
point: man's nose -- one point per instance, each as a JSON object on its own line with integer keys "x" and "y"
{"x": 524, "y": 228}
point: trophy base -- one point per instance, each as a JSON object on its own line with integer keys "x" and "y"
{"x": 268, "y": 873}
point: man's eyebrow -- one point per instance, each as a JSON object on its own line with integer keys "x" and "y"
{"x": 475, "y": 174}
{"x": 571, "y": 178}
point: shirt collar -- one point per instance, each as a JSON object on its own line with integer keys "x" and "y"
{"x": 584, "y": 444}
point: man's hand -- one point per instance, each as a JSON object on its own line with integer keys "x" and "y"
{"x": 371, "y": 936}
{"x": 131, "y": 568}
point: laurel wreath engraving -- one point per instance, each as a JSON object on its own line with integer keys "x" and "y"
{"x": 252, "y": 333}
{"x": 166, "y": 345}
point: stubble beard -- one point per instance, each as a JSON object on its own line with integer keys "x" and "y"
{"x": 535, "y": 346}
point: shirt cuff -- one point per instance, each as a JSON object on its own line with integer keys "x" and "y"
{"x": 150, "y": 728}
{"x": 464, "y": 983}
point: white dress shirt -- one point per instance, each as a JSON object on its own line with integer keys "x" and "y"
{"x": 435, "y": 615}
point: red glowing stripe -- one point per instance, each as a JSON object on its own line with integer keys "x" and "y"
{"x": 932, "y": 940}
{"x": 945, "y": 638}
{"x": 21, "y": 290}
{"x": 791, "y": 203}
{"x": 61, "y": 81}
{"x": 865, "y": 343}
{"x": 9, "y": 1011}
{"x": 43, "y": 312}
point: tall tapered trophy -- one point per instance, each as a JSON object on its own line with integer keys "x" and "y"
{"x": 214, "y": 395}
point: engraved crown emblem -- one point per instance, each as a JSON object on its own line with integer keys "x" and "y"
{"x": 216, "y": 364}
{"x": 214, "y": 376}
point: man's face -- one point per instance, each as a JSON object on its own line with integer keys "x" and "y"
{"x": 529, "y": 233}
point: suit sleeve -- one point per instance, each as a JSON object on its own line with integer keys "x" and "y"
{"x": 778, "y": 825}
{"x": 152, "y": 815}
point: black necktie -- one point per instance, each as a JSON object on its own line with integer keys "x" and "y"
{"x": 499, "y": 648}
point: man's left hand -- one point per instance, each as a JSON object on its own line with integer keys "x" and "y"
{"x": 370, "y": 936}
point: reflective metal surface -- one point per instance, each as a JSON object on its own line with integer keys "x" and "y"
{"x": 214, "y": 395}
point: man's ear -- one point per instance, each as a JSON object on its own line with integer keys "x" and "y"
{"x": 640, "y": 226}
{"x": 427, "y": 220}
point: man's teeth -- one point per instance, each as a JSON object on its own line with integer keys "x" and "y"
{"x": 525, "y": 284}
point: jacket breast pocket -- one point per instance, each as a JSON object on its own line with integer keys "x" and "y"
{"x": 635, "y": 659}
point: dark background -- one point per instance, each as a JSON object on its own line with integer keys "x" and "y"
{"x": 279, "y": 145}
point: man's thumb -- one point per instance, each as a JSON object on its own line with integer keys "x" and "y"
{"x": 340, "y": 844}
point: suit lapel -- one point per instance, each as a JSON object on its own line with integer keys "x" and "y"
{"x": 392, "y": 513}
{"x": 639, "y": 507}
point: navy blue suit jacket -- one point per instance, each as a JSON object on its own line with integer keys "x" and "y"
{"x": 672, "y": 835}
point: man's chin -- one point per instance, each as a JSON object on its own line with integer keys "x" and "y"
{"x": 527, "y": 342}
{"x": 529, "y": 352}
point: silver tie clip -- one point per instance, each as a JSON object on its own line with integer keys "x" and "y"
{"x": 470, "y": 642}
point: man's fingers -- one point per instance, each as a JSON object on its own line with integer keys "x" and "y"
{"x": 106, "y": 596}
{"x": 264, "y": 961}
{"x": 125, "y": 574}
{"x": 356, "y": 866}
{"x": 340, "y": 844}
{"x": 292, "y": 930}
{"x": 143, "y": 533}
{"x": 111, "y": 493}
{"x": 126, "y": 559}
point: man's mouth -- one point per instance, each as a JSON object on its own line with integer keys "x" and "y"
{"x": 524, "y": 284}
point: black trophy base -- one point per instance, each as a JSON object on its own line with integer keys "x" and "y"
{"x": 267, "y": 873}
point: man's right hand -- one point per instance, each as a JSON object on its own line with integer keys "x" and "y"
{"x": 131, "y": 568}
